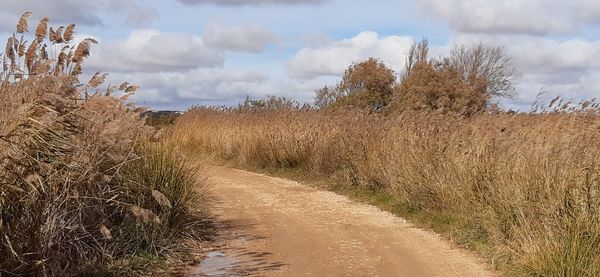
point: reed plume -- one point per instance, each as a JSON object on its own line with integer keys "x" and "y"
{"x": 41, "y": 30}
{"x": 83, "y": 50}
{"x": 69, "y": 32}
{"x": 22, "y": 25}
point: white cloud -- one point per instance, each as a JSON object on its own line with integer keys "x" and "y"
{"x": 251, "y": 2}
{"x": 586, "y": 10}
{"x": 176, "y": 70}
{"x": 213, "y": 86}
{"x": 316, "y": 39}
{"x": 74, "y": 11}
{"x": 568, "y": 68}
{"x": 154, "y": 51}
{"x": 247, "y": 38}
{"x": 540, "y": 54}
{"x": 141, "y": 17}
{"x": 220, "y": 84}
{"x": 197, "y": 86}
{"x": 181, "y": 69}
{"x": 516, "y": 16}
{"x": 334, "y": 58}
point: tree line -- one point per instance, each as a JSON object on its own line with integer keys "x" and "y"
{"x": 469, "y": 80}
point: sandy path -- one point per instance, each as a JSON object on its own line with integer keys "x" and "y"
{"x": 278, "y": 227}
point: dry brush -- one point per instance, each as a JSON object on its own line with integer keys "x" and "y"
{"x": 80, "y": 186}
{"x": 525, "y": 185}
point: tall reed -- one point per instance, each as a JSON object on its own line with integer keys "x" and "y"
{"x": 527, "y": 183}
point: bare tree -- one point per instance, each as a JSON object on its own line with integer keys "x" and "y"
{"x": 418, "y": 53}
{"x": 325, "y": 96}
{"x": 481, "y": 62}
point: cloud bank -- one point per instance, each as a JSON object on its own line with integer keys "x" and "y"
{"x": 155, "y": 51}
{"x": 251, "y": 2}
{"x": 537, "y": 17}
{"x": 247, "y": 38}
{"x": 332, "y": 59}
{"x": 81, "y": 12}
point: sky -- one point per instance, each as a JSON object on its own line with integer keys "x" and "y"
{"x": 216, "y": 52}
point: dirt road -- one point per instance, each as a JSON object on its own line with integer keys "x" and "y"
{"x": 278, "y": 227}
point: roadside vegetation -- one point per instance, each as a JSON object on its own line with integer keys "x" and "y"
{"x": 522, "y": 189}
{"x": 83, "y": 190}
{"x": 161, "y": 119}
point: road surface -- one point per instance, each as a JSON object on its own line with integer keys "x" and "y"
{"x": 277, "y": 227}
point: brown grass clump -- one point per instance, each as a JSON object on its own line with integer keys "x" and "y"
{"x": 79, "y": 188}
{"x": 524, "y": 188}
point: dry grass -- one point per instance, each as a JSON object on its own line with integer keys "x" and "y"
{"x": 526, "y": 185}
{"x": 78, "y": 185}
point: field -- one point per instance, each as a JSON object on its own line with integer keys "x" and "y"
{"x": 92, "y": 184}
{"x": 520, "y": 189}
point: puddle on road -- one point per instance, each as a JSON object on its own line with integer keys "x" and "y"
{"x": 215, "y": 264}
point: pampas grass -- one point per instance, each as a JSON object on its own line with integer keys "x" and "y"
{"x": 80, "y": 187}
{"x": 23, "y": 21}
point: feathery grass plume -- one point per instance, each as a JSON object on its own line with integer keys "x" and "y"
{"x": 76, "y": 70}
{"x": 22, "y": 47}
{"x": 10, "y": 50}
{"x": 69, "y": 31}
{"x": 97, "y": 79}
{"x": 129, "y": 90}
{"x": 22, "y": 25}
{"x": 124, "y": 86}
{"x": 56, "y": 36}
{"x": 51, "y": 34}
{"x": 109, "y": 90}
{"x": 41, "y": 30}
{"x": 44, "y": 53}
{"x": 31, "y": 56}
{"x": 15, "y": 43}
{"x": 83, "y": 50}
{"x": 70, "y": 57}
{"x": 145, "y": 215}
{"x": 161, "y": 199}
{"x": 132, "y": 89}
{"x": 61, "y": 61}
